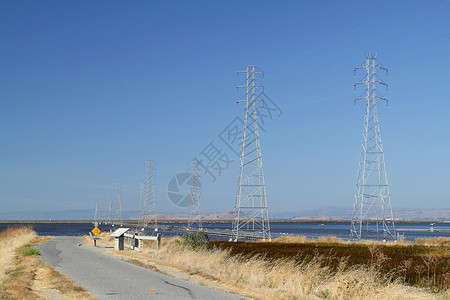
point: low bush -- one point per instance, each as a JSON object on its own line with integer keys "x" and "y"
{"x": 198, "y": 240}
{"x": 30, "y": 251}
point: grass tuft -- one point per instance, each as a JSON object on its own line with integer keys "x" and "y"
{"x": 18, "y": 270}
{"x": 30, "y": 251}
{"x": 439, "y": 241}
{"x": 325, "y": 294}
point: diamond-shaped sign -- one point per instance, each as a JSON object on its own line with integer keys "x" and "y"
{"x": 95, "y": 231}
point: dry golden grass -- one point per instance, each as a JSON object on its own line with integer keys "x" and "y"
{"x": 29, "y": 277}
{"x": 285, "y": 278}
{"x": 47, "y": 278}
{"x": 104, "y": 235}
{"x": 329, "y": 239}
{"x": 289, "y": 239}
{"x": 104, "y": 239}
{"x": 11, "y": 239}
{"x": 437, "y": 242}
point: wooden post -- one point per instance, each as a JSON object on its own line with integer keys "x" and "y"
{"x": 158, "y": 240}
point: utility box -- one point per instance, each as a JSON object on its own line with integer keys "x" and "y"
{"x": 119, "y": 238}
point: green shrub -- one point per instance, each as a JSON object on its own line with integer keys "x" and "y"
{"x": 325, "y": 294}
{"x": 198, "y": 240}
{"x": 30, "y": 251}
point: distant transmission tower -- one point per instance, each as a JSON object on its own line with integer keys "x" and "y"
{"x": 251, "y": 216}
{"x": 96, "y": 218}
{"x": 103, "y": 210}
{"x": 110, "y": 211}
{"x": 117, "y": 216}
{"x": 141, "y": 197}
{"x": 372, "y": 216}
{"x": 148, "y": 194}
{"x": 194, "y": 203}
{"x": 142, "y": 222}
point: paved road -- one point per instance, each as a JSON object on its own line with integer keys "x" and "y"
{"x": 110, "y": 278}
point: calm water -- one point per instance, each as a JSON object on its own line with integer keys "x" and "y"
{"x": 308, "y": 229}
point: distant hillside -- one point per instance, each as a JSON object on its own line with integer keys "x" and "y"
{"x": 344, "y": 213}
{"x": 73, "y": 214}
{"x": 223, "y": 216}
{"x": 316, "y": 218}
{"x": 218, "y": 216}
{"x": 331, "y": 213}
{"x": 424, "y": 214}
{"x": 340, "y": 212}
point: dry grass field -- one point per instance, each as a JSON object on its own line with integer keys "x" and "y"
{"x": 424, "y": 263}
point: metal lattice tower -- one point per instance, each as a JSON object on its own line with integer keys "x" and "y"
{"x": 103, "y": 210}
{"x": 148, "y": 194}
{"x": 372, "y": 216}
{"x": 141, "y": 197}
{"x": 110, "y": 211}
{"x": 194, "y": 203}
{"x": 96, "y": 217}
{"x": 251, "y": 216}
{"x": 142, "y": 222}
{"x": 117, "y": 213}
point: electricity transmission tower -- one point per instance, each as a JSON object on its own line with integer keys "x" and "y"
{"x": 103, "y": 211}
{"x": 372, "y": 216}
{"x": 141, "y": 197}
{"x": 96, "y": 218}
{"x": 194, "y": 203}
{"x": 117, "y": 214}
{"x": 251, "y": 216}
{"x": 148, "y": 196}
{"x": 110, "y": 211}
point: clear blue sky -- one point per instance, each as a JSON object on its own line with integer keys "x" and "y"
{"x": 90, "y": 90}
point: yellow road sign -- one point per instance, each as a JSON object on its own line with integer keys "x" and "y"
{"x": 95, "y": 231}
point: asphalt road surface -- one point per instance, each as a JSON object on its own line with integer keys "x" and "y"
{"x": 111, "y": 278}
